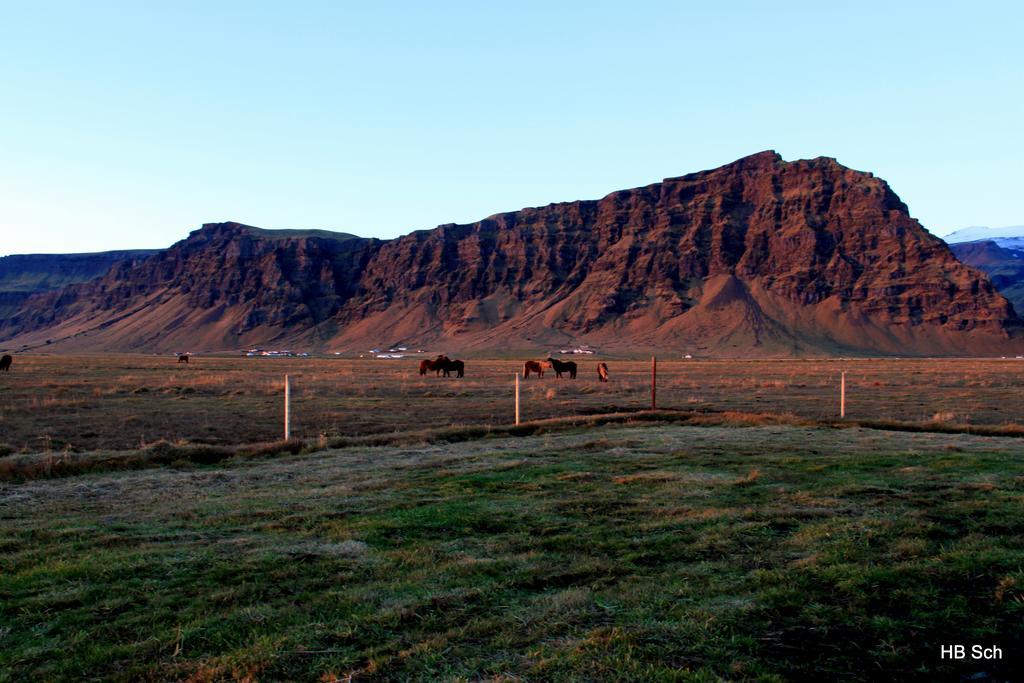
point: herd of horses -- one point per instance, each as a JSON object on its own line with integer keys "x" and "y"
{"x": 443, "y": 364}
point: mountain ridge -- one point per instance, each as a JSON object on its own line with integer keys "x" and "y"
{"x": 977, "y": 233}
{"x": 757, "y": 257}
{"x": 1002, "y": 259}
{"x": 22, "y": 275}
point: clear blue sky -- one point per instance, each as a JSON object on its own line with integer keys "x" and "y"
{"x": 129, "y": 124}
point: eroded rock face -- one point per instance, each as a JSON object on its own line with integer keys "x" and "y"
{"x": 226, "y": 282}
{"x": 759, "y": 256}
{"x": 22, "y": 275}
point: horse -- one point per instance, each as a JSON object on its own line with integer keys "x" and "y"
{"x": 426, "y": 365}
{"x": 440, "y": 364}
{"x": 602, "y": 372}
{"x": 183, "y": 358}
{"x": 559, "y": 367}
{"x": 533, "y": 366}
{"x": 5, "y": 362}
{"x": 456, "y": 366}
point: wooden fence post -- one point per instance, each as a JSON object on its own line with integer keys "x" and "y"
{"x": 287, "y": 408}
{"x": 842, "y": 394}
{"x": 517, "y": 397}
{"x": 654, "y": 383}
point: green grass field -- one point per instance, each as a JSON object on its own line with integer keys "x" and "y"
{"x": 635, "y": 552}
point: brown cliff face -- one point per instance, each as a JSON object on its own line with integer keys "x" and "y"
{"x": 22, "y": 275}
{"x": 224, "y": 286}
{"x": 758, "y": 257}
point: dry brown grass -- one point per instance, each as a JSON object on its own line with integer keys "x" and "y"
{"x": 50, "y": 464}
{"x": 122, "y": 402}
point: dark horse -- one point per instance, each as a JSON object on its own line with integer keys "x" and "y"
{"x": 443, "y": 364}
{"x": 448, "y": 366}
{"x": 602, "y": 372}
{"x": 182, "y": 357}
{"x": 559, "y": 367}
{"x": 533, "y": 366}
{"x": 5, "y": 362}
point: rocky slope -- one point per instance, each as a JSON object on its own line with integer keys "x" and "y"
{"x": 1002, "y": 260}
{"x": 758, "y": 257}
{"x": 224, "y": 286}
{"x": 22, "y": 275}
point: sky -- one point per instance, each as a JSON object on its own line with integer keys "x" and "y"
{"x": 127, "y": 125}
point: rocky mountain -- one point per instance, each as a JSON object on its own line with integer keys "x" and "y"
{"x": 225, "y": 285}
{"x": 22, "y": 275}
{"x": 999, "y": 252}
{"x": 1003, "y": 260}
{"x": 758, "y": 257}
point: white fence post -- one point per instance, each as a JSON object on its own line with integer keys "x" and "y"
{"x": 287, "y": 408}
{"x": 517, "y": 397}
{"x": 842, "y": 394}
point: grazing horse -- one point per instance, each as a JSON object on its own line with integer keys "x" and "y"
{"x": 183, "y": 358}
{"x": 5, "y": 362}
{"x": 442, "y": 364}
{"x": 533, "y": 366}
{"x": 456, "y": 366}
{"x": 602, "y": 372}
{"x": 559, "y": 367}
{"x": 426, "y": 365}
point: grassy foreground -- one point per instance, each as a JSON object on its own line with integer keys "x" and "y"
{"x": 654, "y": 552}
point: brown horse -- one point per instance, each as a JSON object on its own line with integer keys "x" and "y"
{"x": 5, "y": 362}
{"x": 602, "y": 372}
{"x": 183, "y": 358}
{"x": 563, "y": 366}
{"x": 436, "y": 365}
{"x": 533, "y": 366}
